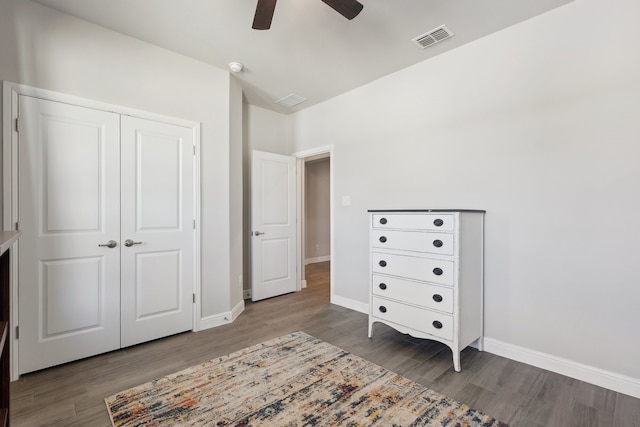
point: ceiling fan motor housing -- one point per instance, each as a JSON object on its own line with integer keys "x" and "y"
{"x": 265, "y": 9}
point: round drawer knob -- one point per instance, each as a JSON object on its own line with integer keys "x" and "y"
{"x": 437, "y": 324}
{"x": 437, "y": 243}
{"x": 438, "y": 222}
{"x": 382, "y": 239}
{"x": 383, "y": 220}
{"x": 437, "y": 298}
{"x": 382, "y": 286}
{"x": 383, "y": 309}
{"x": 383, "y": 263}
{"x": 437, "y": 271}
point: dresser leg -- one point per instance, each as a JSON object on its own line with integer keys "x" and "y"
{"x": 456, "y": 358}
{"x": 370, "y": 329}
{"x": 456, "y": 362}
{"x": 481, "y": 344}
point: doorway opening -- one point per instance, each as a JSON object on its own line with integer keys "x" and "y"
{"x": 315, "y": 216}
{"x": 316, "y": 222}
{"x": 279, "y": 204}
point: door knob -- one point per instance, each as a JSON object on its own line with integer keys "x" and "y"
{"x": 257, "y": 233}
{"x": 128, "y": 243}
{"x": 110, "y": 244}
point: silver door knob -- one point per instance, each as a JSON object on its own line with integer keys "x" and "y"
{"x": 257, "y": 233}
{"x": 128, "y": 243}
{"x": 110, "y": 244}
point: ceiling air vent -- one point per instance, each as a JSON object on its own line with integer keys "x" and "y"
{"x": 432, "y": 37}
{"x": 291, "y": 100}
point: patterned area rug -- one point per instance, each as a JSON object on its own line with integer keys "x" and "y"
{"x": 294, "y": 380}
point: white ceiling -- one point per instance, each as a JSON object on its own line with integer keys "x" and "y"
{"x": 310, "y": 50}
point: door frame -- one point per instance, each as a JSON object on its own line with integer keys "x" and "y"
{"x": 10, "y": 93}
{"x": 301, "y": 156}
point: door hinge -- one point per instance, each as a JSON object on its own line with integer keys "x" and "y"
{"x": 17, "y": 332}
{"x": 194, "y": 298}
{"x": 194, "y": 224}
{"x": 17, "y": 226}
{"x": 194, "y": 150}
{"x": 17, "y": 125}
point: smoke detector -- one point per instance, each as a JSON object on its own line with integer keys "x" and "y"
{"x": 236, "y": 67}
{"x": 432, "y": 37}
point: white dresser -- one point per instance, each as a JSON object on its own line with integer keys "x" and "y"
{"x": 427, "y": 275}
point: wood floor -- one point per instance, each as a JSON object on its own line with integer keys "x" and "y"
{"x": 518, "y": 394}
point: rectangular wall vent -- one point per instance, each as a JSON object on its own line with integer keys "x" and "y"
{"x": 432, "y": 37}
{"x": 291, "y": 100}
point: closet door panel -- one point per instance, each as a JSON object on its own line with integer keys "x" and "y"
{"x": 157, "y": 217}
{"x": 69, "y": 205}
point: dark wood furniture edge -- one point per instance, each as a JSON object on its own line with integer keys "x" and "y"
{"x": 6, "y": 240}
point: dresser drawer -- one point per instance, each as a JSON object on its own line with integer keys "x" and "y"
{"x": 423, "y": 320}
{"x": 418, "y": 268}
{"x": 435, "y": 243}
{"x": 423, "y": 294}
{"x": 429, "y": 222}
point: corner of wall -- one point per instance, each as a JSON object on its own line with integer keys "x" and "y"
{"x": 220, "y": 319}
{"x": 236, "y": 184}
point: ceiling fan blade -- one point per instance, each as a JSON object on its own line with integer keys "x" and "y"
{"x": 264, "y": 14}
{"x": 347, "y": 8}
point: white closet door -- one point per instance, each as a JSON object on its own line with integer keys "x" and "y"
{"x": 69, "y": 204}
{"x": 157, "y": 217}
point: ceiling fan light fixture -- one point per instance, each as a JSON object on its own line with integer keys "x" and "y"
{"x": 265, "y": 9}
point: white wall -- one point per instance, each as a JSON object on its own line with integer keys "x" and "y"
{"x": 266, "y": 130}
{"x": 317, "y": 213}
{"x": 538, "y": 124}
{"x": 50, "y": 50}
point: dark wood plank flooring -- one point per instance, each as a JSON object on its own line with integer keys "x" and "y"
{"x": 518, "y": 394}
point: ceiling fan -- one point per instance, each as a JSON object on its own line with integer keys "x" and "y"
{"x": 264, "y": 11}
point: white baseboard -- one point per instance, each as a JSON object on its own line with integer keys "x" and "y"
{"x": 350, "y": 303}
{"x": 317, "y": 259}
{"x": 592, "y": 375}
{"x": 237, "y": 310}
{"x": 600, "y": 377}
{"x": 214, "y": 320}
{"x": 222, "y": 318}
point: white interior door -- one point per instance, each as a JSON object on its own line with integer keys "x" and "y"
{"x": 69, "y": 208}
{"x": 158, "y": 220}
{"x": 273, "y": 219}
